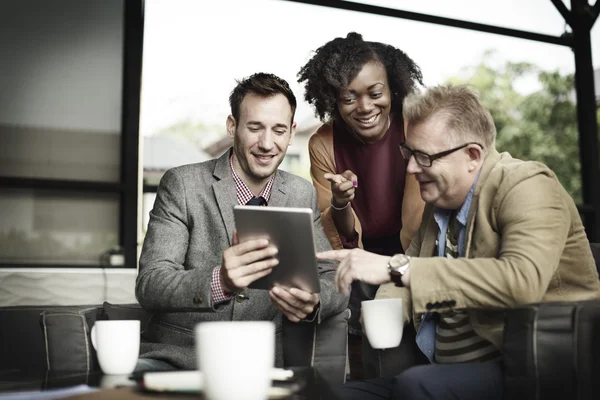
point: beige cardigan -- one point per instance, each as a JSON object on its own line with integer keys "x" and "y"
{"x": 322, "y": 161}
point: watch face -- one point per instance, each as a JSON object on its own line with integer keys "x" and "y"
{"x": 399, "y": 260}
{"x": 398, "y": 264}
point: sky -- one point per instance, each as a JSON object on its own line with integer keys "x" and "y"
{"x": 195, "y": 50}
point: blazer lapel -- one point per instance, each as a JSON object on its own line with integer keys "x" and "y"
{"x": 429, "y": 246}
{"x": 488, "y": 165}
{"x": 279, "y": 192}
{"x": 225, "y": 193}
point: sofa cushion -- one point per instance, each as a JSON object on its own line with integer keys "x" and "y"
{"x": 67, "y": 338}
{"x": 66, "y": 332}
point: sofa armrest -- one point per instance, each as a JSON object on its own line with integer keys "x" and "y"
{"x": 323, "y": 346}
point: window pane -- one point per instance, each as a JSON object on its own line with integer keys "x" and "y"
{"x": 48, "y": 227}
{"x": 60, "y": 88}
{"x": 31, "y": 152}
{"x": 162, "y": 152}
{"x": 512, "y": 74}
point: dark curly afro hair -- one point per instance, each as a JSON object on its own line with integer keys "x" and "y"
{"x": 338, "y": 62}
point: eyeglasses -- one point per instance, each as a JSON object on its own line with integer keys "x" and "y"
{"x": 424, "y": 159}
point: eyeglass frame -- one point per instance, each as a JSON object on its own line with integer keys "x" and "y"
{"x": 432, "y": 157}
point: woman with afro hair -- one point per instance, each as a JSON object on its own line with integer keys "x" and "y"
{"x": 365, "y": 196}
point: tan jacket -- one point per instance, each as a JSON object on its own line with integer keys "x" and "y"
{"x": 322, "y": 161}
{"x": 525, "y": 243}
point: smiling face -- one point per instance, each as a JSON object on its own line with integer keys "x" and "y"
{"x": 260, "y": 137}
{"x": 366, "y": 103}
{"x": 447, "y": 182}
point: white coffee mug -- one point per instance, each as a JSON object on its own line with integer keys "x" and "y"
{"x": 382, "y": 320}
{"x": 236, "y": 358}
{"x": 117, "y": 345}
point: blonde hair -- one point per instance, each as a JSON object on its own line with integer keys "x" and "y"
{"x": 460, "y": 106}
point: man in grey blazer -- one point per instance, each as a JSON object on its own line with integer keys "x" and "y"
{"x": 192, "y": 268}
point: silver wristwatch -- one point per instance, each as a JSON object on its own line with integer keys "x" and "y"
{"x": 397, "y": 266}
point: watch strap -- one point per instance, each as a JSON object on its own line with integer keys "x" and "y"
{"x": 396, "y": 277}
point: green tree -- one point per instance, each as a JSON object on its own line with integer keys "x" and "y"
{"x": 540, "y": 126}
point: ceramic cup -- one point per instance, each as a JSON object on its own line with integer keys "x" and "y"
{"x": 117, "y": 345}
{"x": 236, "y": 358}
{"x": 382, "y": 320}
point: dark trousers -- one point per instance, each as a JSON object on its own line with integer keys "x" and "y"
{"x": 369, "y": 363}
{"x": 355, "y": 357}
{"x": 391, "y": 362}
{"x": 470, "y": 381}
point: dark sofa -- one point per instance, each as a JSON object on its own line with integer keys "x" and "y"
{"x": 56, "y": 338}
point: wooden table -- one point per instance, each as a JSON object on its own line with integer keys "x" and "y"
{"x": 127, "y": 393}
{"x": 307, "y": 384}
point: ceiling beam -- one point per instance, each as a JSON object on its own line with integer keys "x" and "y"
{"x": 564, "y": 11}
{"x": 563, "y": 40}
{"x": 595, "y": 10}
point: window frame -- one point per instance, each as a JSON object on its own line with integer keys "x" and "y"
{"x": 127, "y": 187}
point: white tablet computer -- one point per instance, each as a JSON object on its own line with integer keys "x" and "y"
{"x": 291, "y": 230}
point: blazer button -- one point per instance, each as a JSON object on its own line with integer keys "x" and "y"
{"x": 197, "y": 300}
{"x": 240, "y": 298}
{"x": 429, "y": 306}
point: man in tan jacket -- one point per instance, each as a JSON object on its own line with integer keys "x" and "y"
{"x": 497, "y": 233}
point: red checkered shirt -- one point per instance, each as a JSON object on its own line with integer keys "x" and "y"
{"x": 244, "y": 195}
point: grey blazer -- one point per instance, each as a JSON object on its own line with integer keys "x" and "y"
{"x": 190, "y": 226}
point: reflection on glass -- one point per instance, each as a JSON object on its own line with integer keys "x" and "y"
{"x": 49, "y": 227}
{"x": 61, "y": 80}
{"x": 31, "y": 152}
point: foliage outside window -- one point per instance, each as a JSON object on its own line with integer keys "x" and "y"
{"x": 540, "y": 126}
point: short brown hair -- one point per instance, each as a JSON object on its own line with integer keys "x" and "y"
{"x": 459, "y": 105}
{"x": 263, "y": 85}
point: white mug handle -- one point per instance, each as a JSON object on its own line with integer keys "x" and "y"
{"x": 93, "y": 336}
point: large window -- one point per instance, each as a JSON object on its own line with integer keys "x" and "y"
{"x": 63, "y": 180}
{"x": 194, "y": 51}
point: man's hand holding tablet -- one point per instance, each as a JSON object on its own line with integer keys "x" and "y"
{"x": 243, "y": 263}
{"x": 295, "y": 304}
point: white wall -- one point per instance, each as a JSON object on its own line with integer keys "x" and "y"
{"x": 66, "y": 286}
